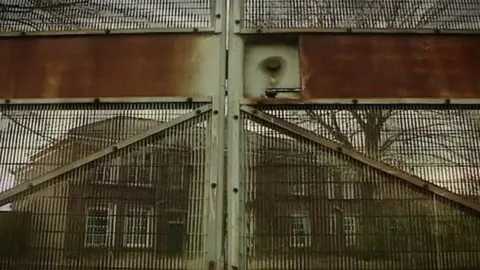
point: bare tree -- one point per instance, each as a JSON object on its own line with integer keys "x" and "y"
{"x": 377, "y": 132}
{"x": 54, "y": 15}
{"x": 410, "y": 14}
{"x": 416, "y": 140}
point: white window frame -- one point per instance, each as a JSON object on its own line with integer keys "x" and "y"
{"x": 108, "y": 173}
{"x": 150, "y": 225}
{"x": 111, "y": 210}
{"x": 331, "y": 190}
{"x": 139, "y": 165}
{"x": 299, "y": 189}
{"x": 305, "y": 221}
{"x": 332, "y": 224}
{"x": 181, "y": 181}
{"x": 348, "y": 191}
{"x": 350, "y": 230}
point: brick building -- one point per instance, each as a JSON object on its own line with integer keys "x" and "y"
{"x": 147, "y": 202}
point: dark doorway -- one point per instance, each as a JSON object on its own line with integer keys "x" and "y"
{"x": 175, "y": 238}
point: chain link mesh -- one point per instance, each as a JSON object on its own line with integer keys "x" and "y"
{"x": 391, "y": 14}
{"x": 71, "y": 15}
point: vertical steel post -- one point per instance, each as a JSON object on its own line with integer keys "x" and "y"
{"x": 235, "y": 95}
{"x": 214, "y": 204}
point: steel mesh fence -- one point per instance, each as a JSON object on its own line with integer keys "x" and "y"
{"x": 310, "y": 207}
{"x": 373, "y": 14}
{"x": 70, "y": 15}
{"x": 434, "y": 142}
{"x": 141, "y": 206}
{"x": 29, "y": 132}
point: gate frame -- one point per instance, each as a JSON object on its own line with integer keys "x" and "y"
{"x": 237, "y": 104}
{"x": 214, "y": 202}
{"x": 235, "y": 160}
{"x": 51, "y": 175}
{"x": 361, "y": 158}
{"x": 235, "y": 77}
{"x": 214, "y": 255}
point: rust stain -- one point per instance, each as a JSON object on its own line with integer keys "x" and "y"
{"x": 390, "y": 66}
{"x": 98, "y": 66}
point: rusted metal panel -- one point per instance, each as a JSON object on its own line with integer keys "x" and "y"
{"x": 381, "y": 66}
{"x": 106, "y": 66}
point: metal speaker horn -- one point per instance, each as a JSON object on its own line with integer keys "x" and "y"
{"x": 273, "y": 65}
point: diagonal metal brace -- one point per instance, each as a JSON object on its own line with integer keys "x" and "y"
{"x": 299, "y": 131}
{"x": 7, "y": 196}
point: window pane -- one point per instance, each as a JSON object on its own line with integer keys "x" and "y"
{"x": 298, "y": 189}
{"x": 299, "y": 231}
{"x": 297, "y": 222}
{"x": 138, "y": 227}
{"x": 140, "y": 172}
{"x": 348, "y": 191}
{"x": 97, "y": 213}
{"x": 333, "y": 225}
{"x": 331, "y": 191}
{"x": 349, "y": 224}
{"x": 97, "y": 227}
{"x": 143, "y": 176}
{"x": 175, "y": 173}
{"x": 108, "y": 172}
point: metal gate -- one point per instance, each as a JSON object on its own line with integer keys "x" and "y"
{"x": 359, "y": 187}
{"x": 107, "y": 186}
{"x": 355, "y": 151}
{"x": 343, "y": 151}
{"x": 110, "y": 145}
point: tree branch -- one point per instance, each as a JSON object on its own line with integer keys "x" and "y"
{"x": 50, "y": 139}
{"x": 334, "y": 130}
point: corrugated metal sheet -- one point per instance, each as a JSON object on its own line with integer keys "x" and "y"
{"x": 107, "y": 66}
{"x": 69, "y": 15}
{"x": 400, "y": 14}
{"x": 378, "y": 66}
